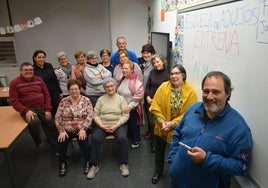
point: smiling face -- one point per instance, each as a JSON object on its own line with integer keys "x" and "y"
{"x": 123, "y": 58}
{"x": 63, "y": 61}
{"x": 146, "y": 55}
{"x": 74, "y": 91}
{"x": 158, "y": 64}
{"x": 110, "y": 88}
{"x": 40, "y": 59}
{"x": 214, "y": 96}
{"x": 105, "y": 58}
{"x": 127, "y": 70}
{"x": 176, "y": 78}
{"x": 81, "y": 59}
{"x": 27, "y": 72}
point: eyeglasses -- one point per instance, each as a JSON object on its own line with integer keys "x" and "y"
{"x": 174, "y": 73}
{"x": 108, "y": 86}
{"x": 93, "y": 58}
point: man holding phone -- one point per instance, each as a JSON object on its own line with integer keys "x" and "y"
{"x": 215, "y": 140}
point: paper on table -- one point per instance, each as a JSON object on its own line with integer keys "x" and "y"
{"x": 6, "y": 89}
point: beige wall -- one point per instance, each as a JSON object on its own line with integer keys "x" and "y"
{"x": 72, "y": 25}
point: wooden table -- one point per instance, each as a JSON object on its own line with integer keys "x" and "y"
{"x": 11, "y": 126}
{"x": 4, "y": 95}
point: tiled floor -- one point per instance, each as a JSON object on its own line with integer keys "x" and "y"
{"x": 33, "y": 168}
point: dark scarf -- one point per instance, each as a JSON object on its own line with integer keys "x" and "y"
{"x": 67, "y": 70}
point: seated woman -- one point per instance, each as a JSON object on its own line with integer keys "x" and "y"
{"x": 110, "y": 118}
{"x": 73, "y": 118}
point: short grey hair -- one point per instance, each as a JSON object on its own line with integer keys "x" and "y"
{"x": 61, "y": 54}
{"x": 91, "y": 54}
{"x": 107, "y": 80}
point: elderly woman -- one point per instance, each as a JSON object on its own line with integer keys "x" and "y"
{"x": 124, "y": 57}
{"x": 105, "y": 60}
{"x": 169, "y": 104}
{"x": 110, "y": 118}
{"x": 63, "y": 72}
{"x": 73, "y": 118}
{"x": 78, "y": 69}
{"x": 94, "y": 74}
{"x": 157, "y": 76}
{"x": 131, "y": 88}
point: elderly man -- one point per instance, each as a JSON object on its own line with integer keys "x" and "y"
{"x": 30, "y": 97}
{"x": 121, "y": 43}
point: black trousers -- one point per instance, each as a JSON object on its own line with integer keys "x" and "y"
{"x": 160, "y": 149}
{"x": 83, "y": 144}
{"x": 48, "y": 127}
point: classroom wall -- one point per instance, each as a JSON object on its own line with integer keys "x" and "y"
{"x": 129, "y": 19}
{"x": 70, "y": 25}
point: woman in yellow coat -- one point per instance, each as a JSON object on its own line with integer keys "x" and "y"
{"x": 171, "y": 100}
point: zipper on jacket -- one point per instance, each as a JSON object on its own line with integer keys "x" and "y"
{"x": 189, "y": 159}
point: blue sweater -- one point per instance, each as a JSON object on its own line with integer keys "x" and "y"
{"x": 226, "y": 139}
{"x": 115, "y": 60}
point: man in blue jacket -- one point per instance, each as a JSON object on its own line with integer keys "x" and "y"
{"x": 218, "y": 135}
{"x": 121, "y": 43}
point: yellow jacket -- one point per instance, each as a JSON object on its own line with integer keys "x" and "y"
{"x": 161, "y": 107}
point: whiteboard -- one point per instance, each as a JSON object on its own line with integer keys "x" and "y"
{"x": 233, "y": 38}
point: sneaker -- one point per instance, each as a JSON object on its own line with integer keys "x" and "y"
{"x": 135, "y": 145}
{"x": 124, "y": 170}
{"x": 92, "y": 172}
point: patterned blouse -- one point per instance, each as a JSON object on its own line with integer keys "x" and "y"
{"x": 72, "y": 118}
{"x": 176, "y": 104}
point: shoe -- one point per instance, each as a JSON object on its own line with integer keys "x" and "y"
{"x": 145, "y": 133}
{"x": 124, "y": 170}
{"x": 156, "y": 178}
{"x": 86, "y": 168}
{"x": 62, "y": 169}
{"x": 135, "y": 145}
{"x": 148, "y": 136}
{"x": 92, "y": 172}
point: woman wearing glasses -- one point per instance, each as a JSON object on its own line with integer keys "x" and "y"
{"x": 110, "y": 119}
{"x": 170, "y": 101}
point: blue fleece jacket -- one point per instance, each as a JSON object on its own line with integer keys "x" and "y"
{"x": 226, "y": 139}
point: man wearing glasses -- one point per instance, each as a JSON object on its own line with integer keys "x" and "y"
{"x": 30, "y": 97}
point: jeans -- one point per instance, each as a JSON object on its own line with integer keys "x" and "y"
{"x": 133, "y": 127}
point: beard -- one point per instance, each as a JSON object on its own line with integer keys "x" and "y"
{"x": 214, "y": 108}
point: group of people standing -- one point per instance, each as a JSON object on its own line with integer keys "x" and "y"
{"x": 122, "y": 93}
